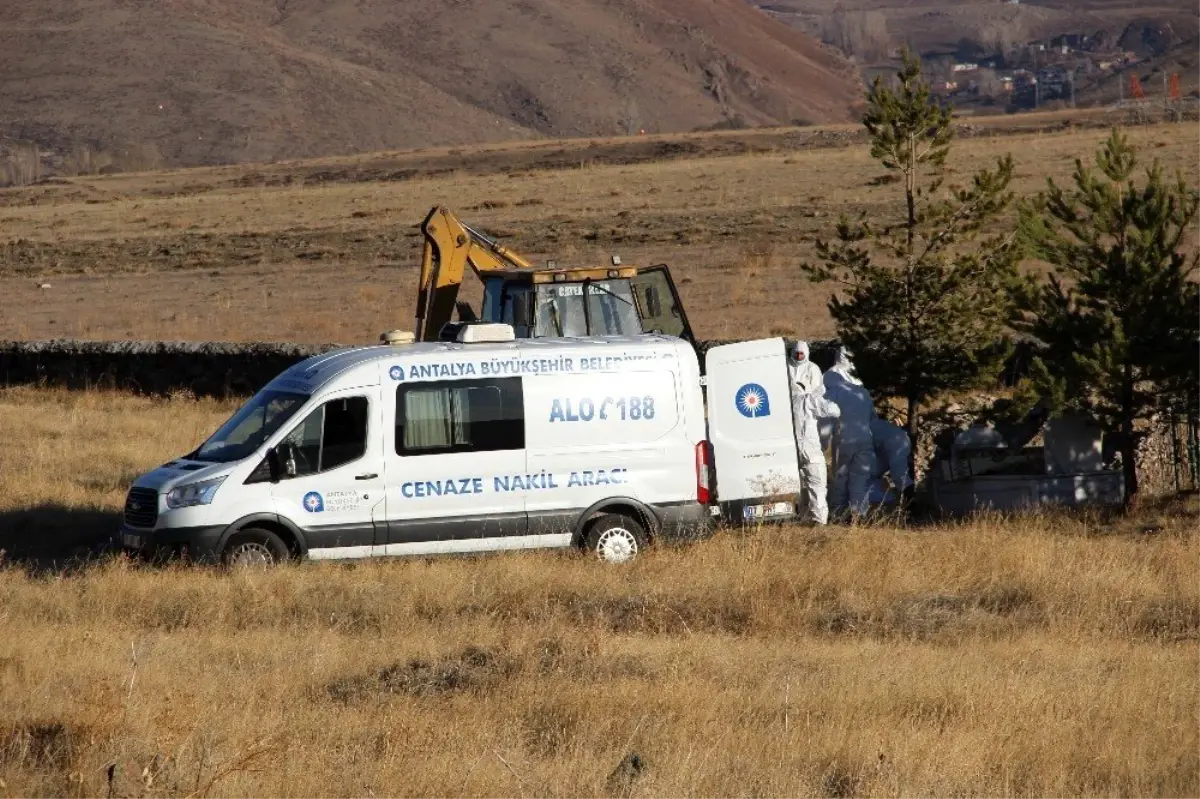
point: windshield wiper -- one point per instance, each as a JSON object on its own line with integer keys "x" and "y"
{"x": 587, "y": 284}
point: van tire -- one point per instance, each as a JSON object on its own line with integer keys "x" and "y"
{"x": 254, "y": 547}
{"x": 615, "y": 538}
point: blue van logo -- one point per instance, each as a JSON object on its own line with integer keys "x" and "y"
{"x": 396, "y": 373}
{"x": 313, "y": 503}
{"x": 752, "y": 402}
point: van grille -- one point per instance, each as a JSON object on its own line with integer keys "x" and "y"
{"x": 141, "y": 507}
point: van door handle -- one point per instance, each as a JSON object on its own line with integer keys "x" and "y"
{"x": 366, "y": 477}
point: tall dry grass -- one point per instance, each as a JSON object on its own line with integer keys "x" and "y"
{"x": 1047, "y": 655}
{"x": 1043, "y": 655}
{"x": 979, "y": 660}
{"x": 67, "y": 459}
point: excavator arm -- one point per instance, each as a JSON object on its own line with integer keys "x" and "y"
{"x": 450, "y": 246}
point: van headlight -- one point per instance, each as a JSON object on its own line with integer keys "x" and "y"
{"x": 194, "y": 493}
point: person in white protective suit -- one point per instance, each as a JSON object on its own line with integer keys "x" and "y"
{"x": 808, "y": 407}
{"x": 853, "y": 445}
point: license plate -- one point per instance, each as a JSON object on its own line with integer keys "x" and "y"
{"x": 132, "y": 541}
{"x": 771, "y": 509}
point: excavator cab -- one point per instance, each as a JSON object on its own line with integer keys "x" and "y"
{"x": 568, "y": 302}
{"x": 586, "y": 302}
{"x": 539, "y": 303}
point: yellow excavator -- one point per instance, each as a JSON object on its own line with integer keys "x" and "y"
{"x": 537, "y": 302}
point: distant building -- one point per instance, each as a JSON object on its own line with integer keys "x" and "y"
{"x": 967, "y": 66}
{"x": 1072, "y": 41}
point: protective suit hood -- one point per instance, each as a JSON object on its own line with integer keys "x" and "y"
{"x": 843, "y": 366}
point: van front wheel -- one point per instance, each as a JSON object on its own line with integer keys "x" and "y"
{"x": 254, "y": 548}
{"x": 615, "y": 538}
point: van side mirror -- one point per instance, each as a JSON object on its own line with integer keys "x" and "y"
{"x": 282, "y": 461}
{"x": 274, "y": 466}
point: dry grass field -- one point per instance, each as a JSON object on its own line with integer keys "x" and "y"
{"x": 1040, "y": 656}
{"x": 328, "y": 250}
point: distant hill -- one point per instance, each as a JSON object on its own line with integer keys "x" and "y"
{"x": 186, "y": 82}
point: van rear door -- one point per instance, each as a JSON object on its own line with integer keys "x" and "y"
{"x": 750, "y": 428}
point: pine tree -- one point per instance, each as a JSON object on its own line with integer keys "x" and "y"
{"x": 927, "y": 297}
{"x": 1120, "y": 313}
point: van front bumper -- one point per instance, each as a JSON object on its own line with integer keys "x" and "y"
{"x": 194, "y": 543}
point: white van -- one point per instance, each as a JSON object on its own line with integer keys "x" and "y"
{"x": 466, "y": 446}
{"x": 481, "y": 444}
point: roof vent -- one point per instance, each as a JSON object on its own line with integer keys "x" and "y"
{"x": 485, "y": 333}
{"x": 396, "y": 338}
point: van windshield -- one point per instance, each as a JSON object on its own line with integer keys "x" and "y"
{"x": 250, "y": 427}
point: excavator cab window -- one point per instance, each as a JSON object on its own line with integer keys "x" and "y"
{"x": 489, "y": 309}
{"x": 658, "y": 303}
{"x": 509, "y": 303}
{"x": 588, "y": 308}
{"x": 571, "y": 309}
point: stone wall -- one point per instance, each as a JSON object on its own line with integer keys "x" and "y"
{"x": 205, "y": 369}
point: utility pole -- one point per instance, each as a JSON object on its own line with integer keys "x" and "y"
{"x": 1071, "y": 78}
{"x": 1037, "y": 83}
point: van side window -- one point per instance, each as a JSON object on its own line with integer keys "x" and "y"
{"x": 460, "y": 416}
{"x": 331, "y": 436}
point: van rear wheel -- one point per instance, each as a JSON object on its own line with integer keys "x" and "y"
{"x": 254, "y": 547}
{"x": 615, "y": 538}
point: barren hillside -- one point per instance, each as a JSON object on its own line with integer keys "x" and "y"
{"x": 186, "y": 82}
